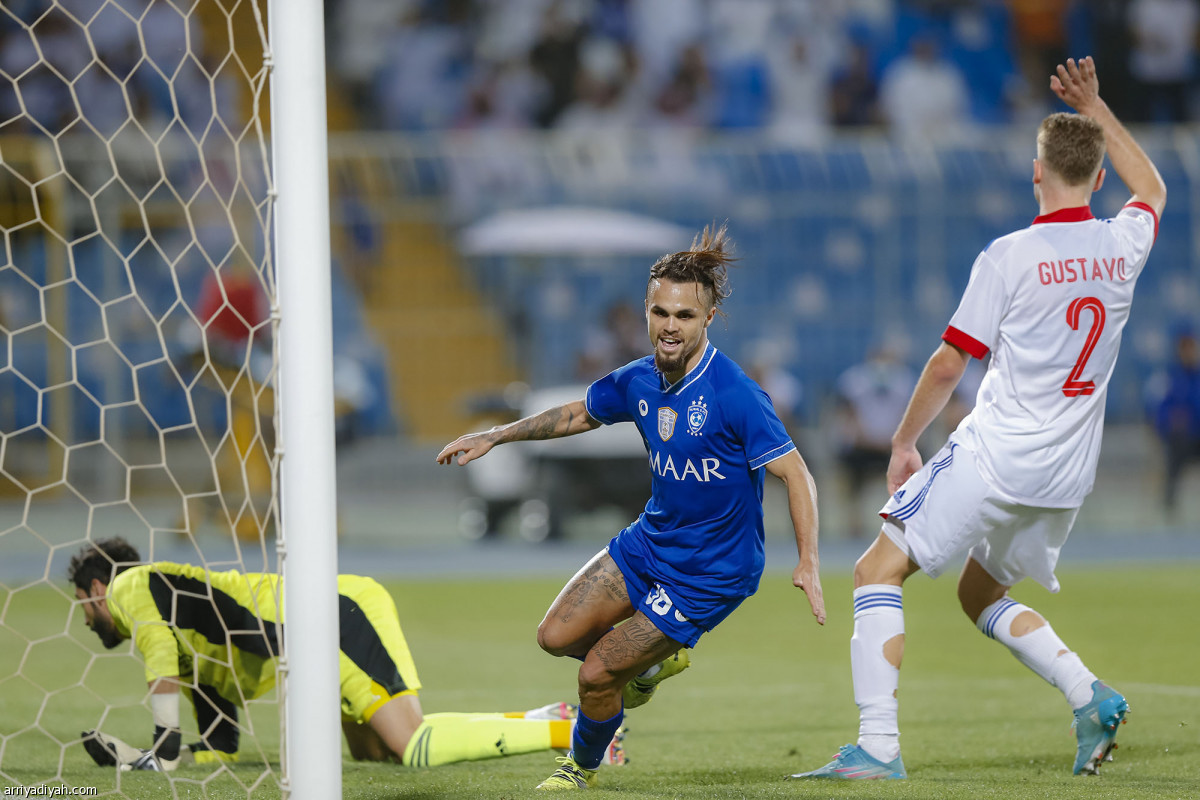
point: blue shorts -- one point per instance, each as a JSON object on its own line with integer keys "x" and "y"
{"x": 674, "y": 609}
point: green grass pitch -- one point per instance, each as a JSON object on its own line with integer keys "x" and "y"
{"x": 768, "y": 694}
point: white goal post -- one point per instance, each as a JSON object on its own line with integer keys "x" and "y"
{"x": 308, "y": 558}
{"x": 149, "y": 205}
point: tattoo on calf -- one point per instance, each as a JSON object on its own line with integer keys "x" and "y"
{"x": 629, "y": 644}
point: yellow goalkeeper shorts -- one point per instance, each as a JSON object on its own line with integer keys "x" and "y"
{"x": 375, "y": 664}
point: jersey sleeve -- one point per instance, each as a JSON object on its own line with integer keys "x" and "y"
{"x": 975, "y": 325}
{"x": 606, "y": 398}
{"x": 1137, "y": 227}
{"x": 756, "y": 424}
{"x": 137, "y": 616}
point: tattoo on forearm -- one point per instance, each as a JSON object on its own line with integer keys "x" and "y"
{"x": 540, "y": 426}
{"x": 552, "y": 423}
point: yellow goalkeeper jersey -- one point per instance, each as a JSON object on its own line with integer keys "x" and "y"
{"x": 219, "y": 630}
{"x": 212, "y": 628}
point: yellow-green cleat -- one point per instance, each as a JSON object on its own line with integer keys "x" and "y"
{"x": 639, "y": 690}
{"x": 569, "y": 775}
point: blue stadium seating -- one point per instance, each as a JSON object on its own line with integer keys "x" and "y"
{"x": 885, "y": 235}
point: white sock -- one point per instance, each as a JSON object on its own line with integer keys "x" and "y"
{"x": 1039, "y": 650}
{"x": 650, "y": 672}
{"x": 878, "y": 618}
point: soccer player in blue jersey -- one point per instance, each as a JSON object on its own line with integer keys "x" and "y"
{"x": 696, "y": 552}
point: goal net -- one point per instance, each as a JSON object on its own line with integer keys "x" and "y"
{"x": 138, "y": 373}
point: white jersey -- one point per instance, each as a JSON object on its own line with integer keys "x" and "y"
{"x": 1050, "y": 303}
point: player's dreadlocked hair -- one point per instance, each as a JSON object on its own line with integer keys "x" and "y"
{"x": 1071, "y": 145}
{"x": 706, "y": 262}
{"x": 103, "y": 561}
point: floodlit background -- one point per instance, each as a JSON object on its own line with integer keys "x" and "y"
{"x": 502, "y": 174}
{"x": 862, "y": 154}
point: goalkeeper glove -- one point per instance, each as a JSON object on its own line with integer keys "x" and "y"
{"x": 109, "y": 751}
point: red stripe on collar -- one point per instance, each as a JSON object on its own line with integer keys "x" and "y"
{"x": 1078, "y": 214}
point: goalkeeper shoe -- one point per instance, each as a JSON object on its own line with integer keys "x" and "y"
{"x": 554, "y": 711}
{"x": 852, "y": 763}
{"x": 148, "y": 761}
{"x": 639, "y": 690}
{"x": 569, "y": 775}
{"x": 1096, "y": 728}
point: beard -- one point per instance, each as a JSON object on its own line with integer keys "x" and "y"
{"x": 107, "y": 633}
{"x": 668, "y": 365}
{"x": 677, "y": 363}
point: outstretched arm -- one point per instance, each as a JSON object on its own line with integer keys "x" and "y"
{"x": 942, "y": 373}
{"x": 802, "y": 504}
{"x": 552, "y": 423}
{"x": 1077, "y": 86}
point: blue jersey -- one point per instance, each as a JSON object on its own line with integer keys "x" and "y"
{"x": 708, "y": 437}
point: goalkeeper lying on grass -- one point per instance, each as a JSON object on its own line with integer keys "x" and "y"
{"x": 213, "y": 636}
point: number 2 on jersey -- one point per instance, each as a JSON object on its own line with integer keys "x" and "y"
{"x": 1073, "y": 386}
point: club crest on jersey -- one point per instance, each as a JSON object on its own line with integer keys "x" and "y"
{"x": 696, "y": 414}
{"x": 666, "y": 423}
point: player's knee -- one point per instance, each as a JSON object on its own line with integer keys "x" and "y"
{"x": 869, "y": 571}
{"x": 596, "y": 680}
{"x": 551, "y": 638}
{"x": 883, "y": 562}
{"x": 862, "y": 573}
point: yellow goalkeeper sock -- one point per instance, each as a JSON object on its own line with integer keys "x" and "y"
{"x": 447, "y": 738}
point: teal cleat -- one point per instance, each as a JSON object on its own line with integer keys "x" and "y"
{"x": 852, "y": 763}
{"x": 1096, "y": 728}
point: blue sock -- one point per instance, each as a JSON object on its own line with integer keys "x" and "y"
{"x": 591, "y": 738}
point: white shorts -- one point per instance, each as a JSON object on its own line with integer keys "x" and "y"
{"x": 947, "y": 508}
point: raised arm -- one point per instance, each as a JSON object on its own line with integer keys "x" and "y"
{"x": 802, "y": 505}
{"x": 1077, "y": 86}
{"x": 942, "y": 373}
{"x": 553, "y": 423}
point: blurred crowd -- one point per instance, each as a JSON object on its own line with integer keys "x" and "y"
{"x": 797, "y": 68}
{"x": 97, "y": 64}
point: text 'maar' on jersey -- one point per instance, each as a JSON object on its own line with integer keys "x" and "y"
{"x": 707, "y": 438}
{"x": 1049, "y": 302}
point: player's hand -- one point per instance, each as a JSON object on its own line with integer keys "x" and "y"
{"x": 807, "y": 578}
{"x": 1077, "y": 84}
{"x": 905, "y": 463}
{"x": 108, "y": 751}
{"x": 472, "y": 446}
